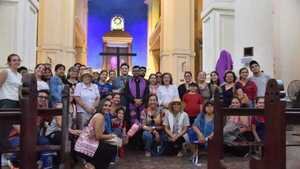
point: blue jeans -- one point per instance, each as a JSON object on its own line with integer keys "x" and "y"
{"x": 148, "y": 140}
{"x": 150, "y": 146}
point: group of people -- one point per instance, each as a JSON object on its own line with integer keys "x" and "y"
{"x": 153, "y": 114}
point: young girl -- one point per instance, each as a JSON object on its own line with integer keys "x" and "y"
{"x": 258, "y": 122}
{"x": 119, "y": 128}
{"x": 202, "y": 130}
{"x": 243, "y": 97}
{"x": 193, "y": 102}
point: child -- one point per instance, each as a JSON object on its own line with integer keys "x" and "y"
{"x": 202, "y": 130}
{"x": 258, "y": 122}
{"x": 193, "y": 102}
{"x": 119, "y": 128}
{"x": 243, "y": 97}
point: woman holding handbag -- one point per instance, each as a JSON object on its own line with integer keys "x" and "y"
{"x": 93, "y": 143}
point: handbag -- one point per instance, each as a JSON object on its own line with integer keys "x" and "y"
{"x": 87, "y": 143}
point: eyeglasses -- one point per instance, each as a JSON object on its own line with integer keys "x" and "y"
{"x": 177, "y": 103}
{"x": 43, "y": 97}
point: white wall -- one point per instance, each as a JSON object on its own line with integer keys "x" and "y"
{"x": 18, "y": 30}
{"x": 218, "y": 32}
{"x": 287, "y": 39}
{"x": 206, "y": 3}
{"x": 272, "y": 27}
{"x": 254, "y": 28}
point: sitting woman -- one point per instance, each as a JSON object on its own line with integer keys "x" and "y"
{"x": 258, "y": 122}
{"x": 102, "y": 131}
{"x": 176, "y": 123}
{"x": 238, "y": 128}
{"x": 152, "y": 125}
{"x": 202, "y": 130}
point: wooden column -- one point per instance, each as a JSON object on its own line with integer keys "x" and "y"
{"x": 28, "y": 138}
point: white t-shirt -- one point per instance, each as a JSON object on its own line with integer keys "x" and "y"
{"x": 88, "y": 94}
{"x": 261, "y": 83}
{"x": 42, "y": 85}
{"x": 10, "y": 88}
{"x": 176, "y": 122}
{"x": 166, "y": 94}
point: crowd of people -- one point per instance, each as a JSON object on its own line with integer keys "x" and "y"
{"x": 110, "y": 112}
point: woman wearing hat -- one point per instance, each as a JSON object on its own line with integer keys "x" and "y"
{"x": 176, "y": 123}
{"x": 87, "y": 98}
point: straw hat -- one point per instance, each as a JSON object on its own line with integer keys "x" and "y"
{"x": 176, "y": 100}
{"x": 86, "y": 72}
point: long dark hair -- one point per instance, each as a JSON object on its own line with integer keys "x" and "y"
{"x": 101, "y": 105}
{"x": 151, "y": 95}
{"x": 207, "y": 104}
{"x": 218, "y": 80}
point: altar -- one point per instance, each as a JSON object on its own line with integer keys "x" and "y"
{"x": 116, "y": 41}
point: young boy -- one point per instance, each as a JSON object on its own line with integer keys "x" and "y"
{"x": 193, "y": 102}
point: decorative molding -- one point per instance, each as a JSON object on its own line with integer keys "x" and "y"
{"x": 35, "y": 4}
{"x": 117, "y": 40}
{"x": 223, "y": 6}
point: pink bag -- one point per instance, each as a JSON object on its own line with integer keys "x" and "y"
{"x": 132, "y": 131}
{"x": 87, "y": 143}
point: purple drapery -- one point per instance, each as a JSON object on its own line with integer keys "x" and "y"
{"x": 224, "y": 64}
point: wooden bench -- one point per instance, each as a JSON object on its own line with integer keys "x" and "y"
{"x": 26, "y": 116}
{"x": 277, "y": 116}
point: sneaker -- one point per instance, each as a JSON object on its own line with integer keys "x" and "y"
{"x": 179, "y": 154}
{"x": 147, "y": 154}
{"x": 196, "y": 161}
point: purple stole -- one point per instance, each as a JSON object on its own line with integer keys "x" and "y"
{"x": 135, "y": 111}
{"x": 132, "y": 87}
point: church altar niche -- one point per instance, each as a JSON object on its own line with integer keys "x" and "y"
{"x": 116, "y": 38}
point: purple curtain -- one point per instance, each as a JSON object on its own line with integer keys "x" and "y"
{"x": 224, "y": 64}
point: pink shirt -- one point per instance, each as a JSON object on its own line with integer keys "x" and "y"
{"x": 153, "y": 89}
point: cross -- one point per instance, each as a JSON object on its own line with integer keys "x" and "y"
{"x": 118, "y": 54}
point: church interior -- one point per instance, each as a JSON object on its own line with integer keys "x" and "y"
{"x": 168, "y": 36}
{"x": 163, "y": 35}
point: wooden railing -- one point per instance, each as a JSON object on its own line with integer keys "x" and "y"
{"x": 26, "y": 116}
{"x": 274, "y": 146}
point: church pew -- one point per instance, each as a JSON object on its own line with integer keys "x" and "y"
{"x": 26, "y": 117}
{"x": 277, "y": 117}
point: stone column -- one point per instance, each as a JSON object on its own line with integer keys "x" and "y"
{"x": 177, "y": 38}
{"x": 18, "y": 30}
{"x": 56, "y": 32}
{"x": 81, "y": 17}
{"x": 153, "y": 35}
{"x": 218, "y": 31}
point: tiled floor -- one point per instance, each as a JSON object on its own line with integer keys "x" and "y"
{"x": 137, "y": 160}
